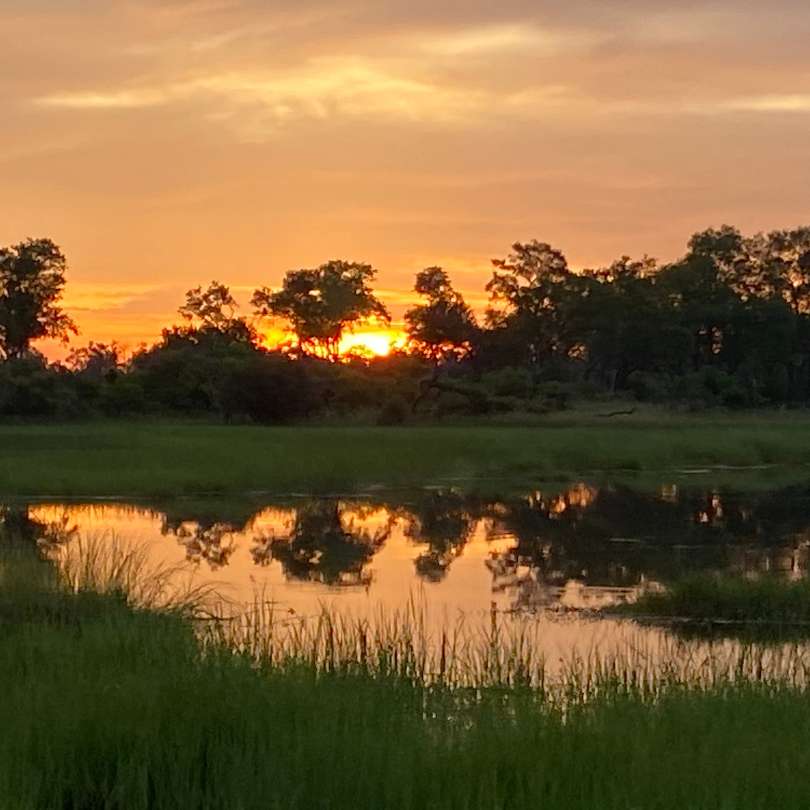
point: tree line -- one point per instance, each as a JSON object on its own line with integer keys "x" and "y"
{"x": 727, "y": 324}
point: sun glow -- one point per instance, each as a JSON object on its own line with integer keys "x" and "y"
{"x": 375, "y": 342}
{"x": 365, "y": 342}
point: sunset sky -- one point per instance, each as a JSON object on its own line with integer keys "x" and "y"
{"x": 163, "y": 144}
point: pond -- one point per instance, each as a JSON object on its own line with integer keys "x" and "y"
{"x": 554, "y": 554}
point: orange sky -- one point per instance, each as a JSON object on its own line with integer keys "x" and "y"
{"x": 164, "y": 143}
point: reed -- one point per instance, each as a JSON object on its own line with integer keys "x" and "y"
{"x": 111, "y": 703}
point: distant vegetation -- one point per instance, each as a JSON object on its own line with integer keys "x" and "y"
{"x": 727, "y": 325}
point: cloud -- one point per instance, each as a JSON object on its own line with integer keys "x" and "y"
{"x": 796, "y": 103}
{"x": 511, "y": 38}
{"x": 100, "y": 100}
{"x": 321, "y": 89}
{"x": 338, "y": 87}
{"x": 107, "y": 297}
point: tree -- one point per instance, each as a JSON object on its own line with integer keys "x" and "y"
{"x": 531, "y": 290}
{"x": 213, "y": 310}
{"x": 96, "y": 360}
{"x": 321, "y": 304}
{"x": 788, "y": 258}
{"x": 702, "y": 302}
{"x": 32, "y": 278}
{"x": 626, "y": 325}
{"x": 443, "y": 327}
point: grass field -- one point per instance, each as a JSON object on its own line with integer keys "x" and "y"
{"x": 107, "y": 705}
{"x": 162, "y": 458}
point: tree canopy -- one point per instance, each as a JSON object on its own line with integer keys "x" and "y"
{"x": 32, "y": 279}
{"x": 726, "y": 324}
{"x": 213, "y": 311}
{"x": 321, "y": 304}
{"x": 444, "y": 326}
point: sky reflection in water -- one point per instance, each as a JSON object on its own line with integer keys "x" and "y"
{"x": 540, "y": 551}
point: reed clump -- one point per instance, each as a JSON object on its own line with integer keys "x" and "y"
{"x": 718, "y": 598}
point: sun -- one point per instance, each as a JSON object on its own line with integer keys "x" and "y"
{"x": 377, "y": 342}
{"x": 368, "y": 342}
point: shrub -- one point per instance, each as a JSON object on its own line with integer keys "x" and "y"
{"x": 509, "y": 382}
{"x": 393, "y": 412}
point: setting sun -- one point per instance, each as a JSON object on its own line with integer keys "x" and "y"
{"x": 376, "y": 342}
{"x": 369, "y": 342}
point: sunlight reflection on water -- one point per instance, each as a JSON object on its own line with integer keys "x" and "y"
{"x": 558, "y": 555}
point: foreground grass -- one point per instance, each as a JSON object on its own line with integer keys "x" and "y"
{"x": 108, "y": 705}
{"x": 162, "y": 458}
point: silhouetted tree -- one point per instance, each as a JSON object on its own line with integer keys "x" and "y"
{"x": 788, "y": 261}
{"x": 627, "y": 326}
{"x": 214, "y": 310}
{"x": 727, "y": 324}
{"x": 531, "y": 290}
{"x": 96, "y": 360}
{"x": 32, "y": 279}
{"x": 321, "y": 304}
{"x": 444, "y": 326}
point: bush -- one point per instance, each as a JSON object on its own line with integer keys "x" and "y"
{"x": 394, "y": 412}
{"x": 31, "y": 388}
{"x": 555, "y": 396}
{"x": 647, "y": 386}
{"x": 509, "y": 382}
{"x": 122, "y": 396}
{"x": 265, "y": 388}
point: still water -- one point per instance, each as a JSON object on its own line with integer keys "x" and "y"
{"x": 556, "y": 553}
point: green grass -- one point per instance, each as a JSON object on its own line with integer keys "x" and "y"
{"x": 108, "y": 704}
{"x": 162, "y": 458}
{"x": 708, "y": 597}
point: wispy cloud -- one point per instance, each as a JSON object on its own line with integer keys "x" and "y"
{"x": 84, "y": 296}
{"x": 320, "y": 89}
{"x": 105, "y": 100}
{"x": 338, "y": 87}
{"x": 507, "y": 37}
{"x": 799, "y": 102}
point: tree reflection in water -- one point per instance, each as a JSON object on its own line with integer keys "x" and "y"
{"x": 207, "y": 535}
{"x": 325, "y": 544}
{"x": 445, "y": 521}
{"x": 19, "y": 529}
{"x": 543, "y": 546}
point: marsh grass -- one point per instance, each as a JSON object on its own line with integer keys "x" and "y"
{"x": 129, "y": 706}
{"x": 762, "y": 604}
{"x": 155, "y": 459}
{"x": 103, "y": 564}
{"x": 502, "y": 653}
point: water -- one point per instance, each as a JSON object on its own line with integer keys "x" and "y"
{"x": 556, "y": 554}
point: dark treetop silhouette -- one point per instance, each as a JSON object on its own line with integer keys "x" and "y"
{"x": 727, "y": 324}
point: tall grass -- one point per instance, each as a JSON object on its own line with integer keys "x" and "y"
{"x": 127, "y": 707}
{"x": 503, "y": 653}
{"x": 102, "y": 563}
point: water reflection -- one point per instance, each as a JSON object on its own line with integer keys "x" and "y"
{"x": 444, "y": 522}
{"x": 583, "y": 546}
{"x": 328, "y": 542}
